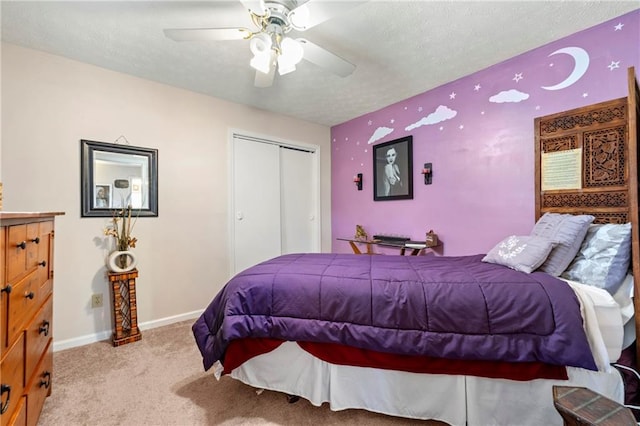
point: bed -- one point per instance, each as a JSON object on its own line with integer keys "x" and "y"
{"x": 474, "y": 340}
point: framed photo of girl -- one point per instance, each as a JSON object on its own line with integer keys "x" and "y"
{"x": 393, "y": 170}
{"x": 102, "y": 198}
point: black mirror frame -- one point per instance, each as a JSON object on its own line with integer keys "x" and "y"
{"x": 87, "y": 149}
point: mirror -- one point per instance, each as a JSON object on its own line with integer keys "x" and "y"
{"x": 114, "y": 176}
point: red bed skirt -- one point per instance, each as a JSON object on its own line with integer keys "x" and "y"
{"x": 242, "y": 350}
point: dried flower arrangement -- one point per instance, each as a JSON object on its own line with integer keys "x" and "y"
{"x": 121, "y": 227}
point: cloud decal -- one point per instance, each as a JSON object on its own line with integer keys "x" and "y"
{"x": 512, "y": 95}
{"x": 441, "y": 113}
{"x": 379, "y": 133}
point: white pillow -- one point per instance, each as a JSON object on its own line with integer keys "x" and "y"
{"x": 604, "y": 257}
{"x": 522, "y": 253}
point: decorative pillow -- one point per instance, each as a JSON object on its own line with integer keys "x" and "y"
{"x": 567, "y": 231}
{"x": 522, "y": 253}
{"x": 604, "y": 257}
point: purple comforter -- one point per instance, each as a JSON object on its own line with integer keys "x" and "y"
{"x": 446, "y": 307}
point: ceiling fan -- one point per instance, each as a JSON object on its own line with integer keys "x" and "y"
{"x": 271, "y": 42}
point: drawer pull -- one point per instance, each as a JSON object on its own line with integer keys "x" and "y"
{"x": 7, "y": 289}
{"x": 43, "y": 263}
{"x": 44, "y": 328}
{"x": 46, "y": 381}
{"x": 36, "y": 240}
{"x": 5, "y": 405}
{"x": 22, "y": 245}
{"x": 29, "y": 295}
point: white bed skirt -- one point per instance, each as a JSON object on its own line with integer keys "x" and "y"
{"x": 457, "y": 400}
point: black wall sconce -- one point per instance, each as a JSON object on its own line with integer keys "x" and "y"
{"x": 427, "y": 171}
{"x": 357, "y": 179}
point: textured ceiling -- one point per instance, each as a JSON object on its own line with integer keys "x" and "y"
{"x": 400, "y": 48}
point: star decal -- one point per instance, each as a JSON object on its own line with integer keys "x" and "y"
{"x": 517, "y": 77}
{"x": 619, "y": 26}
{"x": 370, "y": 122}
{"x": 441, "y": 128}
{"x": 585, "y": 94}
{"x": 537, "y": 107}
{"x": 419, "y": 109}
{"x": 461, "y": 126}
{"x": 392, "y": 121}
{"x": 452, "y": 95}
{"x": 613, "y": 65}
{"x": 477, "y": 87}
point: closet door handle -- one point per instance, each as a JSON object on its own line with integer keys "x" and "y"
{"x": 29, "y": 295}
{"x": 22, "y": 245}
{"x": 36, "y": 240}
{"x": 7, "y": 289}
{"x": 43, "y": 263}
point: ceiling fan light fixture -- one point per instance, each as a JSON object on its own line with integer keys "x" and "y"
{"x": 262, "y": 62}
{"x": 291, "y": 53}
{"x": 260, "y": 44}
{"x": 284, "y": 67}
{"x": 291, "y": 50}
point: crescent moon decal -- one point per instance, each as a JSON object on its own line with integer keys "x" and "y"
{"x": 581, "y": 58}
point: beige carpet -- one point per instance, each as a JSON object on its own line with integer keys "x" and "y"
{"x": 160, "y": 381}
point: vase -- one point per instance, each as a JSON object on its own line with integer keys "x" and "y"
{"x": 122, "y": 261}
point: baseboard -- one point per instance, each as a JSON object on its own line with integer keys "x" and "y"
{"x": 105, "y": 335}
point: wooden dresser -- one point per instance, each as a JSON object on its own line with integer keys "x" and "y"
{"x": 26, "y": 315}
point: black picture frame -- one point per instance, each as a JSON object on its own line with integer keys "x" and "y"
{"x": 132, "y": 179}
{"x": 393, "y": 182}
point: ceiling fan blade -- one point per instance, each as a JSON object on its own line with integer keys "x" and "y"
{"x": 206, "y": 34}
{"x": 255, "y": 6}
{"x": 320, "y": 11}
{"x": 325, "y": 59}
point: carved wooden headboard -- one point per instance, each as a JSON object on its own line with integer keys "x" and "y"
{"x": 587, "y": 163}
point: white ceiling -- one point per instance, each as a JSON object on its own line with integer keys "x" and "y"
{"x": 401, "y": 48}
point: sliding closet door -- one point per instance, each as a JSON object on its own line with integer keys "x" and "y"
{"x": 297, "y": 201}
{"x": 274, "y": 200}
{"x": 256, "y": 202}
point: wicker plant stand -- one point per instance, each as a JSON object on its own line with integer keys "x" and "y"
{"x": 125, "y": 312}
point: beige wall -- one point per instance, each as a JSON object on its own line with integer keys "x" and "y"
{"x": 49, "y": 103}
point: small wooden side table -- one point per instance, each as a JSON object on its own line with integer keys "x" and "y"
{"x": 125, "y": 311}
{"x": 580, "y": 406}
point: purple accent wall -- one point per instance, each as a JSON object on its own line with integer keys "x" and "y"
{"x": 478, "y": 133}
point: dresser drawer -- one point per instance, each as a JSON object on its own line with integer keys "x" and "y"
{"x": 38, "y": 336}
{"x": 21, "y": 250}
{"x": 19, "y": 418}
{"x": 40, "y": 387}
{"x": 12, "y": 379}
{"x": 23, "y": 302}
